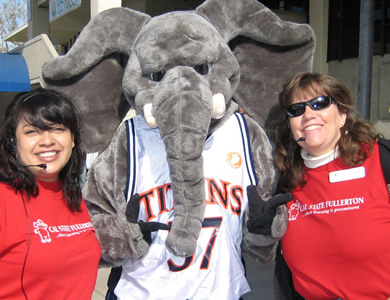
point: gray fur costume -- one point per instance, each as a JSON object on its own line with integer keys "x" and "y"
{"x": 181, "y": 71}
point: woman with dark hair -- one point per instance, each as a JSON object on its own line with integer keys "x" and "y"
{"x": 48, "y": 247}
{"x": 337, "y": 241}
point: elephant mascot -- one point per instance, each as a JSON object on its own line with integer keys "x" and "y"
{"x": 187, "y": 156}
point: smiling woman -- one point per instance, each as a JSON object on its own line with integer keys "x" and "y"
{"x": 52, "y": 146}
{"x": 42, "y": 127}
{"x": 336, "y": 244}
{"x": 45, "y": 227}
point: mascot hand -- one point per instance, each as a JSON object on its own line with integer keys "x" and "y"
{"x": 132, "y": 212}
{"x": 262, "y": 213}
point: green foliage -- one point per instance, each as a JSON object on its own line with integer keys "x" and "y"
{"x": 12, "y": 16}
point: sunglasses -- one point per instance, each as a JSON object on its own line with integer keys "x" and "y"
{"x": 318, "y": 103}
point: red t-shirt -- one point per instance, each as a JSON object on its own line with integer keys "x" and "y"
{"x": 337, "y": 244}
{"x": 63, "y": 255}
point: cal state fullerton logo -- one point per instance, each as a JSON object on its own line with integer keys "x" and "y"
{"x": 294, "y": 210}
{"x": 234, "y": 160}
{"x": 41, "y": 229}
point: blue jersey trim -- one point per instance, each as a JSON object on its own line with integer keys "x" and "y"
{"x": 247, "y": 149}
{"x": 131, "y": 161}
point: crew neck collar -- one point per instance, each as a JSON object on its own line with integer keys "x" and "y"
{"x": 53, "y": 186}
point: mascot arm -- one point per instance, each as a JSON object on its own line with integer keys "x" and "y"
{"x": 260, "y": 247}
{"x": 104, "y": 194}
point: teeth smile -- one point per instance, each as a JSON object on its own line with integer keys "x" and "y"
{"x": 312, "y": 127}
{"x": 47, "y": 154}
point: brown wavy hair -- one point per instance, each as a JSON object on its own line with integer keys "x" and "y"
{"x": 357, "y": 135}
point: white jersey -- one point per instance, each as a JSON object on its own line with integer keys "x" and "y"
{"x": 215, "y": 271}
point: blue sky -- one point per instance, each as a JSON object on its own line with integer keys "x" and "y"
{"x": 1, "y": 1}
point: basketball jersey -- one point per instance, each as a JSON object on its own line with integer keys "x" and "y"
{"x": 215, "y": 271}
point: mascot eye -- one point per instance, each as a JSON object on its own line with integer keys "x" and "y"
{"x": 157, "y": 76}
{"x": 203, "y": 69}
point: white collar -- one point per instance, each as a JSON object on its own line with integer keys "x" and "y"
{"x": 313, "y": 162}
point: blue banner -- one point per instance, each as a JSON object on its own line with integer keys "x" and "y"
{"x": 59, "y": 8}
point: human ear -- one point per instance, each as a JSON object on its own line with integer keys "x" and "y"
{"x": 343, "y": 119}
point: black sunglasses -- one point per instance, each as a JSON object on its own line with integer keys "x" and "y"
{"x": 318, "y": 103}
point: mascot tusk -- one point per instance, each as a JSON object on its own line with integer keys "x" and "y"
{"x": 150, "y": 120}
{"x": 219, "y": 106}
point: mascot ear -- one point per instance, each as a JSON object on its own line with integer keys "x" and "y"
{"x": 99, "y": 99}
{"x": 91, "y": 73}
{"x": 269, "y": 50}
{"x": 265, "y": 72}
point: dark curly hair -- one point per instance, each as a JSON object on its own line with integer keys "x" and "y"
{"x": 357, "y": 136}
{"x": 41, "y": 108}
